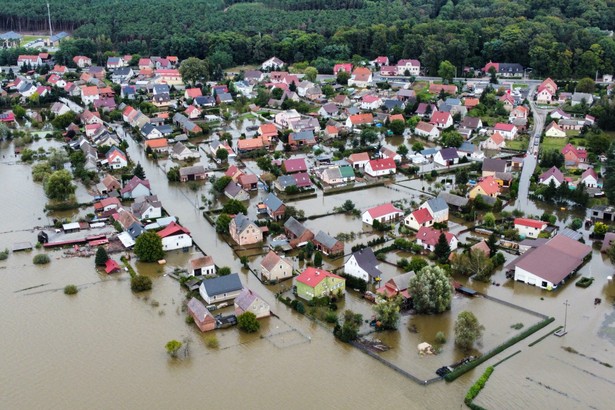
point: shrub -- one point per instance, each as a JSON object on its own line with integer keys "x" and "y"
{"x": 70, "y": 290}
{"x": 212, "y": 342}
{"x": 4, "y": 254}
{"x": 248, "y": 323}
{"x": 300, "y": 307}
{"x": 331, "y": 317}
{"x": 41, "y": 259}
{"x": 478, "y": 386}
{"x": 140, "y": 283}
{"x": 517, "y": 326}
{"x": 440, "y": 338}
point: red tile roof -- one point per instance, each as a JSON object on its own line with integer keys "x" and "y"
{"x": 359, "y": 119}
{"x": 385, "y": 209}
{"x": 489, "y": 185}
{"x": 532, "y": 223}
{"x": 312, "y": 276}
{"x": 172, "y": 229}
{"x": 500, "y": 126}
{"x": 422, "y": 215}
{"x": 382, "y": 164}
{"x": 430, "y": 236}
{"x": 295, "y": 165}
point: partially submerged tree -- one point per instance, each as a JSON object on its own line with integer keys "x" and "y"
{"x": 148, "y": 247}
{"x": 431, "y": 290}
{"x": 467, "y": 330}
{"x": 58, "y": 186}
{"x": 387, "y": 312}
{"x": 173, "y": 347}
{"x": 247, "y": 322}
{"x": 101, "y": 256}
{"x": 349, "y": 329}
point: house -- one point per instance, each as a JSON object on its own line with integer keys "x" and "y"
{"x": 204, "y": 101}
{"x": 361, "y": 77}
{"x": 546, "y": 91}
{"x": 438, "y": 208}
{"x": 578, "y": 98}
{"x": 216, "y": 145}
{"x": 380, "y": 61}
{"x": 136, "y": 187}
{"x": 455, "y": 202}
{"x": 249, "y": 182}
{"x": 253, "y": 76}
{"x": 504, "y": 69}
{"x": 446, "y": 157}
{"x": 327, "y": 244}
{"x": 408, "y": 67}
{"x": 390, "y": 154}
{"x": 488, "y": 187}
{"x": 116, "y": 159}
{"x": 471, "y": 102}
{"x": 175, "y": 236}
{"x": 554, "y": 131}
{"x": 371, "y": 102}
{"x": 380, "y": 167}
{"x": 244, "y": 232}
{"x": 89, "y": 94}
{"x": 473, "y": 123}
{"x": 494, "y": 142}
{"x": 548, "y": 265}
{"x": 192, "y": 173}
{"x": 341, "y": 100}
{"x": 359, "y": 119}
{"x": 160, "y": 145}
{"x": 419, "y": 218}
{"x": 275, "y": 268}
{"x": 302, "y": 180}
{"x": 384, "y": 214}
{"x": 224, "y": 98}
{"x": 508, "y": 131}
{"x": 363, "y": 265}
{"x": 203, "y": 319}
{"x": 31, "y": 61}
{"x": 388, "y": 70}
{"x": 441, "y": 119}
{"x": 146, "y": 207}
{"x": 443, "y": 88}
{"x": 552, "y": 174}
{"x": 336, "y": 175}
{"x": 428, "y": 238}
{"x": 559, "y": 114}
{"x": 590, "y": 178}
{"x": 359, "y": 160}
{"x": 192, "y": 93}
{"x": 286, "y": 118}
{"x": 181, "y": 153}
{"x": 122, "y": 75}
{"x": 221, "y": 289}
{"x": 396, "y": 286}
{"x": 297, "y": 233}
{"x": 427, "y": 130}
{"x": 115, "y": 62}
{"x": 193, "y": 112}
{"x": 234, "y": 191}
{"x": 302, "y": 138}
{"x": 250, "y": 144}
{"x": 493, "y": 165}
{"x": 317, "y": 283}
{"x": 107, "y": 204}
{"x": 518, "y": 112}
{"x": 82, "y": 61}
{"x": 111, "y": 183}
{"x": 273, "y": 63}
{"x": 185, "y": 124}
{"x": 574, "y": 156}
{"x": 275, "y": 207}
{"x": 331, "y": 131}
{"x": 529, "y": 228}
{"x": 249, "y": 301}
{"x": 347, "y": 67}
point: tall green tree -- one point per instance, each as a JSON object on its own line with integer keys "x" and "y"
{"x": 446, "y": 71}
{"x": 138, "y": 171}
{"x": 101, "y": 256}
{"x": 387, "y": 312}
{"x": 442, "y": 249}
{"x": 467, "y": 330}
{"x": 148, "y": 247}
{"x": 59, "y": 186}
{"x": 248, "y": 323}
{"x": 431, "y": 290}
{"x": 194, "y": 70}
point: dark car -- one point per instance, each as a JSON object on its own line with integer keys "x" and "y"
{"x": 223, "y": 322}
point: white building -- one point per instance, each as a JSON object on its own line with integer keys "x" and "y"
{"x": 174, "y": 237}
{"x": 530, "y": 228}
{"x": 363, "y": 265}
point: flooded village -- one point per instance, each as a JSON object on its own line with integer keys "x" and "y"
{"x": 316, "y": 203}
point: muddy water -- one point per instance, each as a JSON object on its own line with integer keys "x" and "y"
{"x": 104, "y": 347}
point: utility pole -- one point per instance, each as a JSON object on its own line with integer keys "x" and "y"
{"x": 563, "y": 331}
{"x": 50, "y": 29}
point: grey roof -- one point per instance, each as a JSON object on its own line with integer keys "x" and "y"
{"x": 466, "y": 146}
{"x": 10, "y": 35}
{"x": 572, "y": 234}
{"x": 402, "y": 281}
{"x": 510, "y": 68}
{"x": 246, "y": 298}
{"x": 580, "y": 96}
{"x": 489, "y": 200}
{"x": 454, "y": 200}
{"x": 204, "y": 100}
{"x": 367, "y": 261}
{"x": 273, "y": 202}
{"x": 286, "y": 181}
{"x": 429, "y": 151}
{"x": 161, "y": 89}
{"x": 494, "y": 165}
{"x": 437, "y": 204}
{"x": 241, "y": 222}
{"x": 295, "y": 227}
{"x": 147, "y": 128}
{"x": 225, "y": 97}
{"x": 232, "y": 189}
{"x": 470, "y": 122}
{"x": 223, "y": 284}
{"x": 449, "y": 153}
{"x": 330, "y": 108}
{"x": 504, "y": 176}
{"x": 122, "y": 72}
{"x": 195, "y": 169}
{"x": 303, "y": 135}
{"x": 198, "y": 309}
{"x": 391, "y": 104}
{"x": 57, "y": 37}
{"x": 333, "y": 173}
{"x": 326, "y": 239}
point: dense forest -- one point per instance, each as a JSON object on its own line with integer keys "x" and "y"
{"x": 560, "y": 38}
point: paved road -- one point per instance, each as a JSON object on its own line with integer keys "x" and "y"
{"x": 529, "y": 164}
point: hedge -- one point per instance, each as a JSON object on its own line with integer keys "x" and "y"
{"x": 478, "y": 386}
{"x": 471, "y": 365}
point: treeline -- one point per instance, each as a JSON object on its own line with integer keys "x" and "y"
{"x": 558, "y": 38}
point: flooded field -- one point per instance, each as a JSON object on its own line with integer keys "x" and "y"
{"x": 104, "y": 347}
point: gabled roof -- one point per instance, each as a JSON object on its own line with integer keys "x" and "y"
{"x": 325, "y": 239}
{"x": 133, "y": 183}
{"x": 312, "y": 276}
{"x": 222, "y": 284}
{"x": 497, "y": 138}
{"x": 295, "y": 165}
{"x": 295, "y": 227}
{"x": 241, "y": 222}
{"x": 440, "y": 117}
{"x": 272, "y": 259}
{"x": 589, "y": 172}
{"x": 382, "y": 164}
{"x": 489, "y": 185}
{"x": 359, "y": 119}
{"x": 437, "y": 204}
{"x": 245, "y": 299}
{"x": 449, "y": 153}
{"x": 531, "y": 223}
{"x": 430, "y": 236}
{"x": 359, "y": 157}
{"x": 494, "y": 165}
{"x": 384, "y": 209}
{"x": 422, "y": 215}
{"x": 553, "y": 171}
{"x": 201, "y": 262}
{"x": 173, "y": 229}
{"x": 500, "y": 126}
{"x": 273, "y": 202}
{"x": 366, "y": 259}
{"x": 425, "y": 126}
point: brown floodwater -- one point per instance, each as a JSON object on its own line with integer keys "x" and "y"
{"x": 104, "y": 347}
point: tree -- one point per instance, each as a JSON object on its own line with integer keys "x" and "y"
{"x": 493, "y": 75}
{"x": 140, "y": 283}
{"x": 62, "y": 121}
{"x": 442, "y": 249}
{"x": 600, "y": 229}
{"x": 138, "y": 171}
{"x": 148, "y": 247}
{"x": 431, "y": 290}
{"x": 101, "y": 256}
{"x": 349, "y": 329}
{"x": 342, "y": 77}
{"x": 451, "y": 139}
{"x": 446, "y": 71}
{"x": 348, "y": 206}
{"x": 173, "y": 347}
{"x": 318, "y": 259}
{"x": 222, "y": 154}
{"x": 489, "y": 220}
{"x": 224, "y": 271}
{"x": 248, "y": 323}
{"x": 57, "y": 158}
{"x": 492, "y": 243}
{"x": 611, "y": 253}
{"x": 397, "y": 127}
{"x": 586, "y": 85}
{"x": 387, "y": 312}
{"x": 234, "y": 207}
{"x": 475, "y": 263}
{"x": 194, "y": 70}
{"x": 467, "y": 330}
{"x": 402, "y": 150}
{"x": 221, "y": 183}
{"x": 19, "y": 111}
{"x": 58, "y": 186}
{"x": 576, "y": 224}
{"x": 222, "y": 223}
{"x": 417, "y": 263}
{"x": 173, "y": 174}
{"x": 417, "y": 147}
{"x": 310, "y": 73}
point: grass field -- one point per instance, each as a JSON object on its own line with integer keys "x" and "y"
{"x": 518, "y": 144}
{"x": 549, "y": 144}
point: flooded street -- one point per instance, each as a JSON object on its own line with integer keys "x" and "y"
{"x": 104, "y": 347}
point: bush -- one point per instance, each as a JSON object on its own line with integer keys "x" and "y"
{"x": 140, "y": 284}
{"x": 4, "y": 255}
{"x": 248, "y": 323}
{"x": 41, "y": 259}
{"x": 211, "y": 342}
{"x": 478, "y": 386}
{"x": 517, "y": 326}
{"x": 440, "y": 338}
{"x": 300, "y": 307}
{"x": 70, "y": 290}
{"x": 331, "y": 317}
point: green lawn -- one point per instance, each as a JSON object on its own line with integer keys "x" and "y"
{"x": 550, "y": 144}
{"x": 518, "y": 144}
{"x": 572, "y": 133}
{"x": 517, "y": 85}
